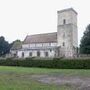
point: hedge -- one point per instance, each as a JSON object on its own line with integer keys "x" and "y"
{"x": 55, "y": 63}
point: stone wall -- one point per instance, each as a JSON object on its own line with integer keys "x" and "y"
{"x": 50, "y": 52}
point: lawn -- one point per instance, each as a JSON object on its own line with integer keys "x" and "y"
{"x": 19, "y": 78}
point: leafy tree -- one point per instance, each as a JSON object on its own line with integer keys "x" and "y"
{"x": 4, "y": 46}
{"x": 85, "y": 41}
{"x": 17, "y": 44}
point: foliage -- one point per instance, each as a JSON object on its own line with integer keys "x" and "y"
{"x": 16, "y": 44}
{"x": 4, "y": 46}
{"x": 62, "y": 64}
{"x": 85, "y": 42}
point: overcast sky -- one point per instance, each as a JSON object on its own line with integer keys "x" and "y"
{"x": 19, "y": 18}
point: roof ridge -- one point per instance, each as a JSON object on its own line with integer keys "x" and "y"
{"x": 41, "y": 34}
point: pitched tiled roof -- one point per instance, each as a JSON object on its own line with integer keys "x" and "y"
{"x": 41, "y": 38}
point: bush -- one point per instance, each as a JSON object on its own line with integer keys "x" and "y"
{"x": 55, "y": 63}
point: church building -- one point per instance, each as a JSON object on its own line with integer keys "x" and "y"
{"x": 62, "y": 43}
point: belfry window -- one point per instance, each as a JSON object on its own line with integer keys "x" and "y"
{"x": 64, "y": 21}
{"x": 63, "y": 43}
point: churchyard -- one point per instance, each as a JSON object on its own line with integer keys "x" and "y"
{"x": 22, "y": 78}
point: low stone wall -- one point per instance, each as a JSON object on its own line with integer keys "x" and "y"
{"x": 84, "y": 56}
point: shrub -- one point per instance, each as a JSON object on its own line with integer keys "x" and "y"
{"x": 55, "y": 63}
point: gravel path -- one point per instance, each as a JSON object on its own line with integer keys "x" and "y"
{"x": 80, "y": 83}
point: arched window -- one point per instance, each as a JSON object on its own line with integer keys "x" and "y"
{"x": 46, "y": 54}
{"x": 38, "y": 53}
{"x": 50, "y": 50}
{"x": 22, "y": 54}
{"x": 30, "y": 53}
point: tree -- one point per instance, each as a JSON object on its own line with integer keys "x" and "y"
{"x": 85, "y": 41}
{"x": 17, "y": 44}
{"x": 4, "y": 46}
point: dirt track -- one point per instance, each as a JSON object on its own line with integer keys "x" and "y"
{"x": 78, "y": 83}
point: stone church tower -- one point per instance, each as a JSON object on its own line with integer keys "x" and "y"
{"x": 67, "y": 33}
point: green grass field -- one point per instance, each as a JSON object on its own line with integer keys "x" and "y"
{"x": 19, "y": 78}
